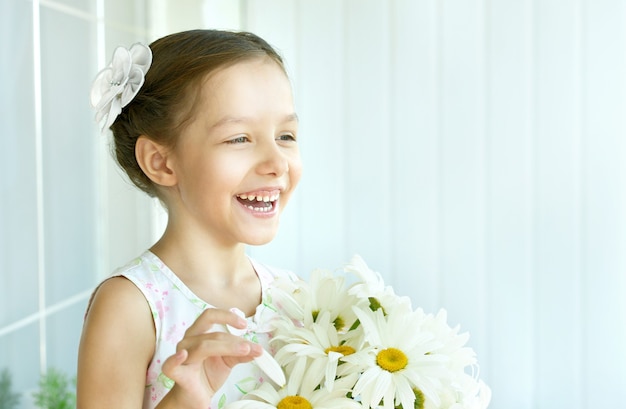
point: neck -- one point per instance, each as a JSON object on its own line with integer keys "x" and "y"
{"x": 215, "y": 268}
{"x": 200, "y": 259}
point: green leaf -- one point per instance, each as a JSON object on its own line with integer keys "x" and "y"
{"x": 56, "y": 391}
{"x": 8, "y": 398}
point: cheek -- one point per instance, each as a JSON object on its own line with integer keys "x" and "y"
{"x": 295, "y": 171}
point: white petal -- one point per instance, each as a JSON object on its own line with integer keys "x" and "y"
{"x": 232, "y": 330}
{"x": 388, "y": 398}
{"x": 331, "y": 369}
{"x": 120, "y": 64}
{"x": 313, "y": 376}
{"x": 365, "y": 386}
{"x": 132, "y": 86}
{"x": 296, "y": 376}
{"x": 381, "y": 387}
{"x": 321, "y": 331}
{"x": 249, "y": 404}
{"x": 286, "y": 302}
{"x": 405, "y": 393}
{"x": 267, "y": 393}
{"x": 271, "y": 368}
{"x": 101, "y": 85}
{"x": 366, "y": 317}
{"x": 141, "y": 56}
{"x": 113, "y": 112}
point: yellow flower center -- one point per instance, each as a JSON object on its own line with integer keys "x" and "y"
{"x": 392, "y": 359}
{"x": 294, "y": 402}
{"x": 342, "y": 349}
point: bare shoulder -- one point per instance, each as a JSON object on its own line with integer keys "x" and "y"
{"x": 119, "y": 295}
{"x": 116, "y": 346}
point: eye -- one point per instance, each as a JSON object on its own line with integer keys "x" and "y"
{"x": 238, "y": 140}
{"x": 287, "y": 138}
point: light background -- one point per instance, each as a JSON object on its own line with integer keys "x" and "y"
{"x": 473, "y": 152}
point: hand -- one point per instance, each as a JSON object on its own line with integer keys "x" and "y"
{"x": 204, "y": 359}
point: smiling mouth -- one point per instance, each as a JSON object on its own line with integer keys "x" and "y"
{"x": 258, "y": 202}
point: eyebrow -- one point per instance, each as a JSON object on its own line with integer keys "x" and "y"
{"x": 243, "y": 119}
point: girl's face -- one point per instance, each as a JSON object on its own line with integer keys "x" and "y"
{"x": 237, "y": 163}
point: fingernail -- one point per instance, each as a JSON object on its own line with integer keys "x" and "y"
{"x": 241, "y": 324}
{"x": 238, "y": 312}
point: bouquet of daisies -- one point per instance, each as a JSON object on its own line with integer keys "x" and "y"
{"x": 348, "y": 341}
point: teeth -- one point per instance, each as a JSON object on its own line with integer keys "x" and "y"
{"x": 259, "y": 198}
{"x": 255, "y": 199}
{"x": 260, "y": 209}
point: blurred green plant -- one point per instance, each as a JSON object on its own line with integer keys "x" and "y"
{"x": 56, "y": 391}
{"x": 8, "y": 398}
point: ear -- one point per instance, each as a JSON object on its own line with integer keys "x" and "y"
{"x": 153, "y": 160}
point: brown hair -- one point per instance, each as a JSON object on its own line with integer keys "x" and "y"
{"x": 172, "y": 85}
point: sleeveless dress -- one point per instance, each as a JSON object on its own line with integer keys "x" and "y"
{"x": 175, "y": 307}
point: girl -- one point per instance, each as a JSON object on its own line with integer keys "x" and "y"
{"x": 204, "y": 120}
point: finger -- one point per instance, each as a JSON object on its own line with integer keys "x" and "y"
{"x": 173, "y": 363}
{"x": 231, "y": 361}
{"x": 204, "y": 346}
{"x": 212, "y": 316}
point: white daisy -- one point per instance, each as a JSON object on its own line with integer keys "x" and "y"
{"x": 463, "y": 390}
{"x": 303, "y": 301}
{"x": 399, "y": 360}
{"x": 452, "y": 343}
{"x": 320, "y": 348}
{"x": 466, "y": 391}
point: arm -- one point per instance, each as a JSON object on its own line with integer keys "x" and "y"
{"x": 116, "y": 347}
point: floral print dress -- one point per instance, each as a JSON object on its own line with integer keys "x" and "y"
{"x": 175, "y": 307}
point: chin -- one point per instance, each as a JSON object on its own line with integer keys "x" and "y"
{"x": 260, "y": 240}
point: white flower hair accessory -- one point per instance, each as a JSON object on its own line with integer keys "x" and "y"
{"x": 117, "y": 84}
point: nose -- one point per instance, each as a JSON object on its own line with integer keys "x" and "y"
{"x": 273, "y": 161}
